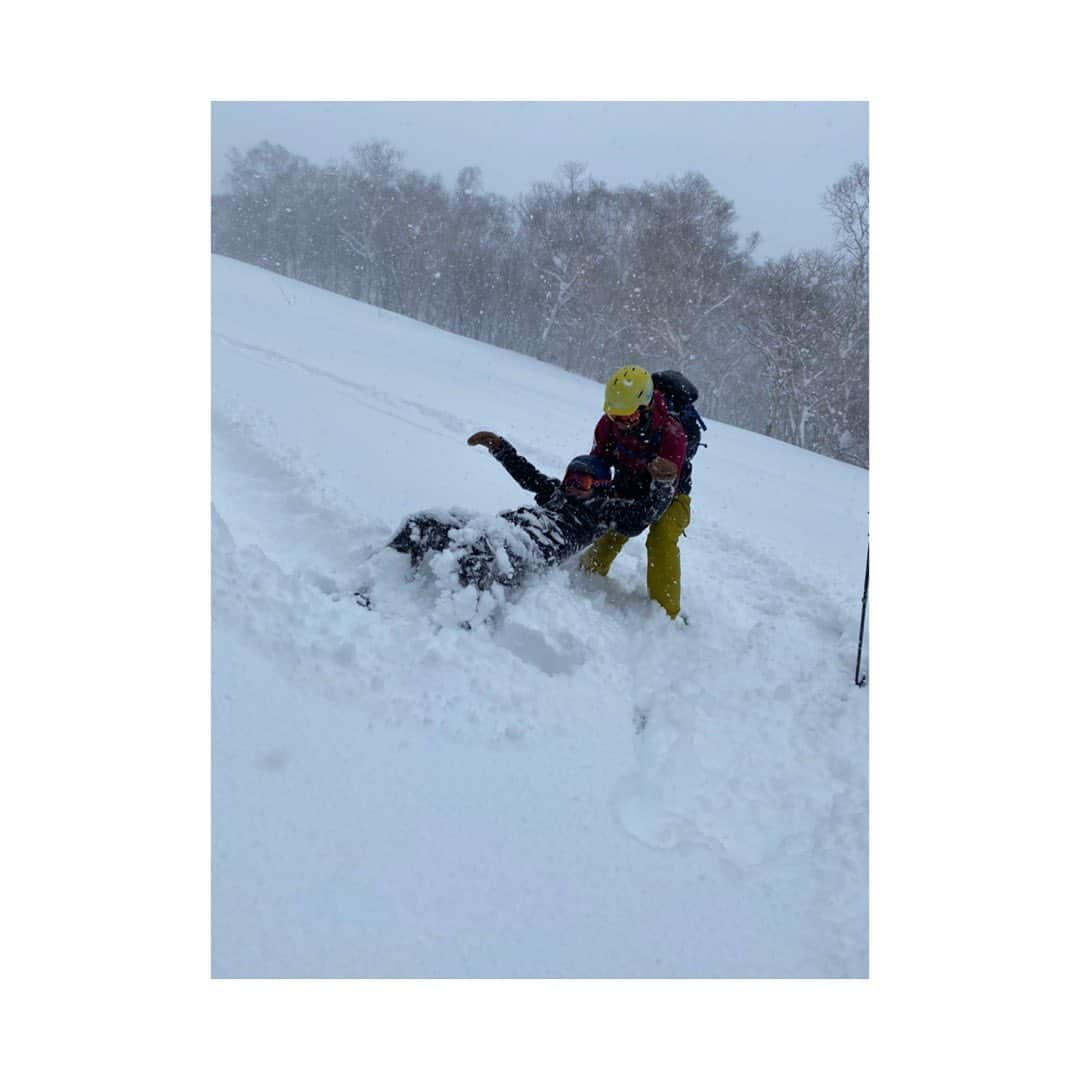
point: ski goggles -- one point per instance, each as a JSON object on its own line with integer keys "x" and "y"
{"x": 626, "y": 421}
{"x": 580, "y": 481}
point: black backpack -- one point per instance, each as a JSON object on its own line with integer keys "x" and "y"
{"x": 680, "y": 394}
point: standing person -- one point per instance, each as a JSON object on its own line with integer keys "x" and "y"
{"x": 642, "y": 440}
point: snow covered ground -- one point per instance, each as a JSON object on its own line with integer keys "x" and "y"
{"x": 396, "y": 796}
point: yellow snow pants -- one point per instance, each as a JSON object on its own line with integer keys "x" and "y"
{"x": 662, "y": 547}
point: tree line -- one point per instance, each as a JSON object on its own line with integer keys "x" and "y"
{"x": 582, "y": 276}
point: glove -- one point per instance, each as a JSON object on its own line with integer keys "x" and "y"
{"x": 663, "y": 470}
{"x": 486, "y": 438}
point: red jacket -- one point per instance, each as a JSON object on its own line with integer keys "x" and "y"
{"x": 658, "y": 435}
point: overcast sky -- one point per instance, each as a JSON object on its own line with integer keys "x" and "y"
{"x": 774, "y": 160}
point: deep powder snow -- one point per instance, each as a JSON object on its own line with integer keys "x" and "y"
{"x": 576, "y": 786}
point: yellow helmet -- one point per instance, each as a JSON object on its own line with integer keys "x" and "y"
{"x": 627, "y": 390}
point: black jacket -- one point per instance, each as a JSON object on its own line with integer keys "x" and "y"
{"x": 557, "y": 527}
{"x": 561, "y": 525}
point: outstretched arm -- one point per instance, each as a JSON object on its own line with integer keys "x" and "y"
{"x": 523, "y": 471}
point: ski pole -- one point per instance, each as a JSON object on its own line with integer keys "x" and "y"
{"x": 862, "y": 621}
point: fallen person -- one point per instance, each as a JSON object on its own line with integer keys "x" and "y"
{"x": 569, "y": 515}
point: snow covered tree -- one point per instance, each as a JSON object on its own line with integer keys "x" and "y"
{"x": 582, "y": 276}
{"x": 804, "y": 318}
{"x": 562, "y": 241}
{"x": 681, "y": 267}
{"x": 792, "y": 320}
{"x": 848, "y": 202}
{"x": 477, "y": 235}
{"x": 263, "y": 223}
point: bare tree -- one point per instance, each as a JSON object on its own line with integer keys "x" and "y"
{"x": 789, "y": 321}
{"x": 563, "y": 242}
{"x": 848, "y": 203}
{"x": 582, "y": 276}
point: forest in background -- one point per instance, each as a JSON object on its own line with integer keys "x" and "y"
{"x": 583, "y": 276}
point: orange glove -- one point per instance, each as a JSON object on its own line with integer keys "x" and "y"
{"x": 663, "y": 470}
{"x": 486, "y": 438}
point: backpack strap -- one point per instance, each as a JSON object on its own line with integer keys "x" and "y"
{"x": 698, "y": 418}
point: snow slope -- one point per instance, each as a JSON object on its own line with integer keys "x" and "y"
{"x": 396, "y": 796}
